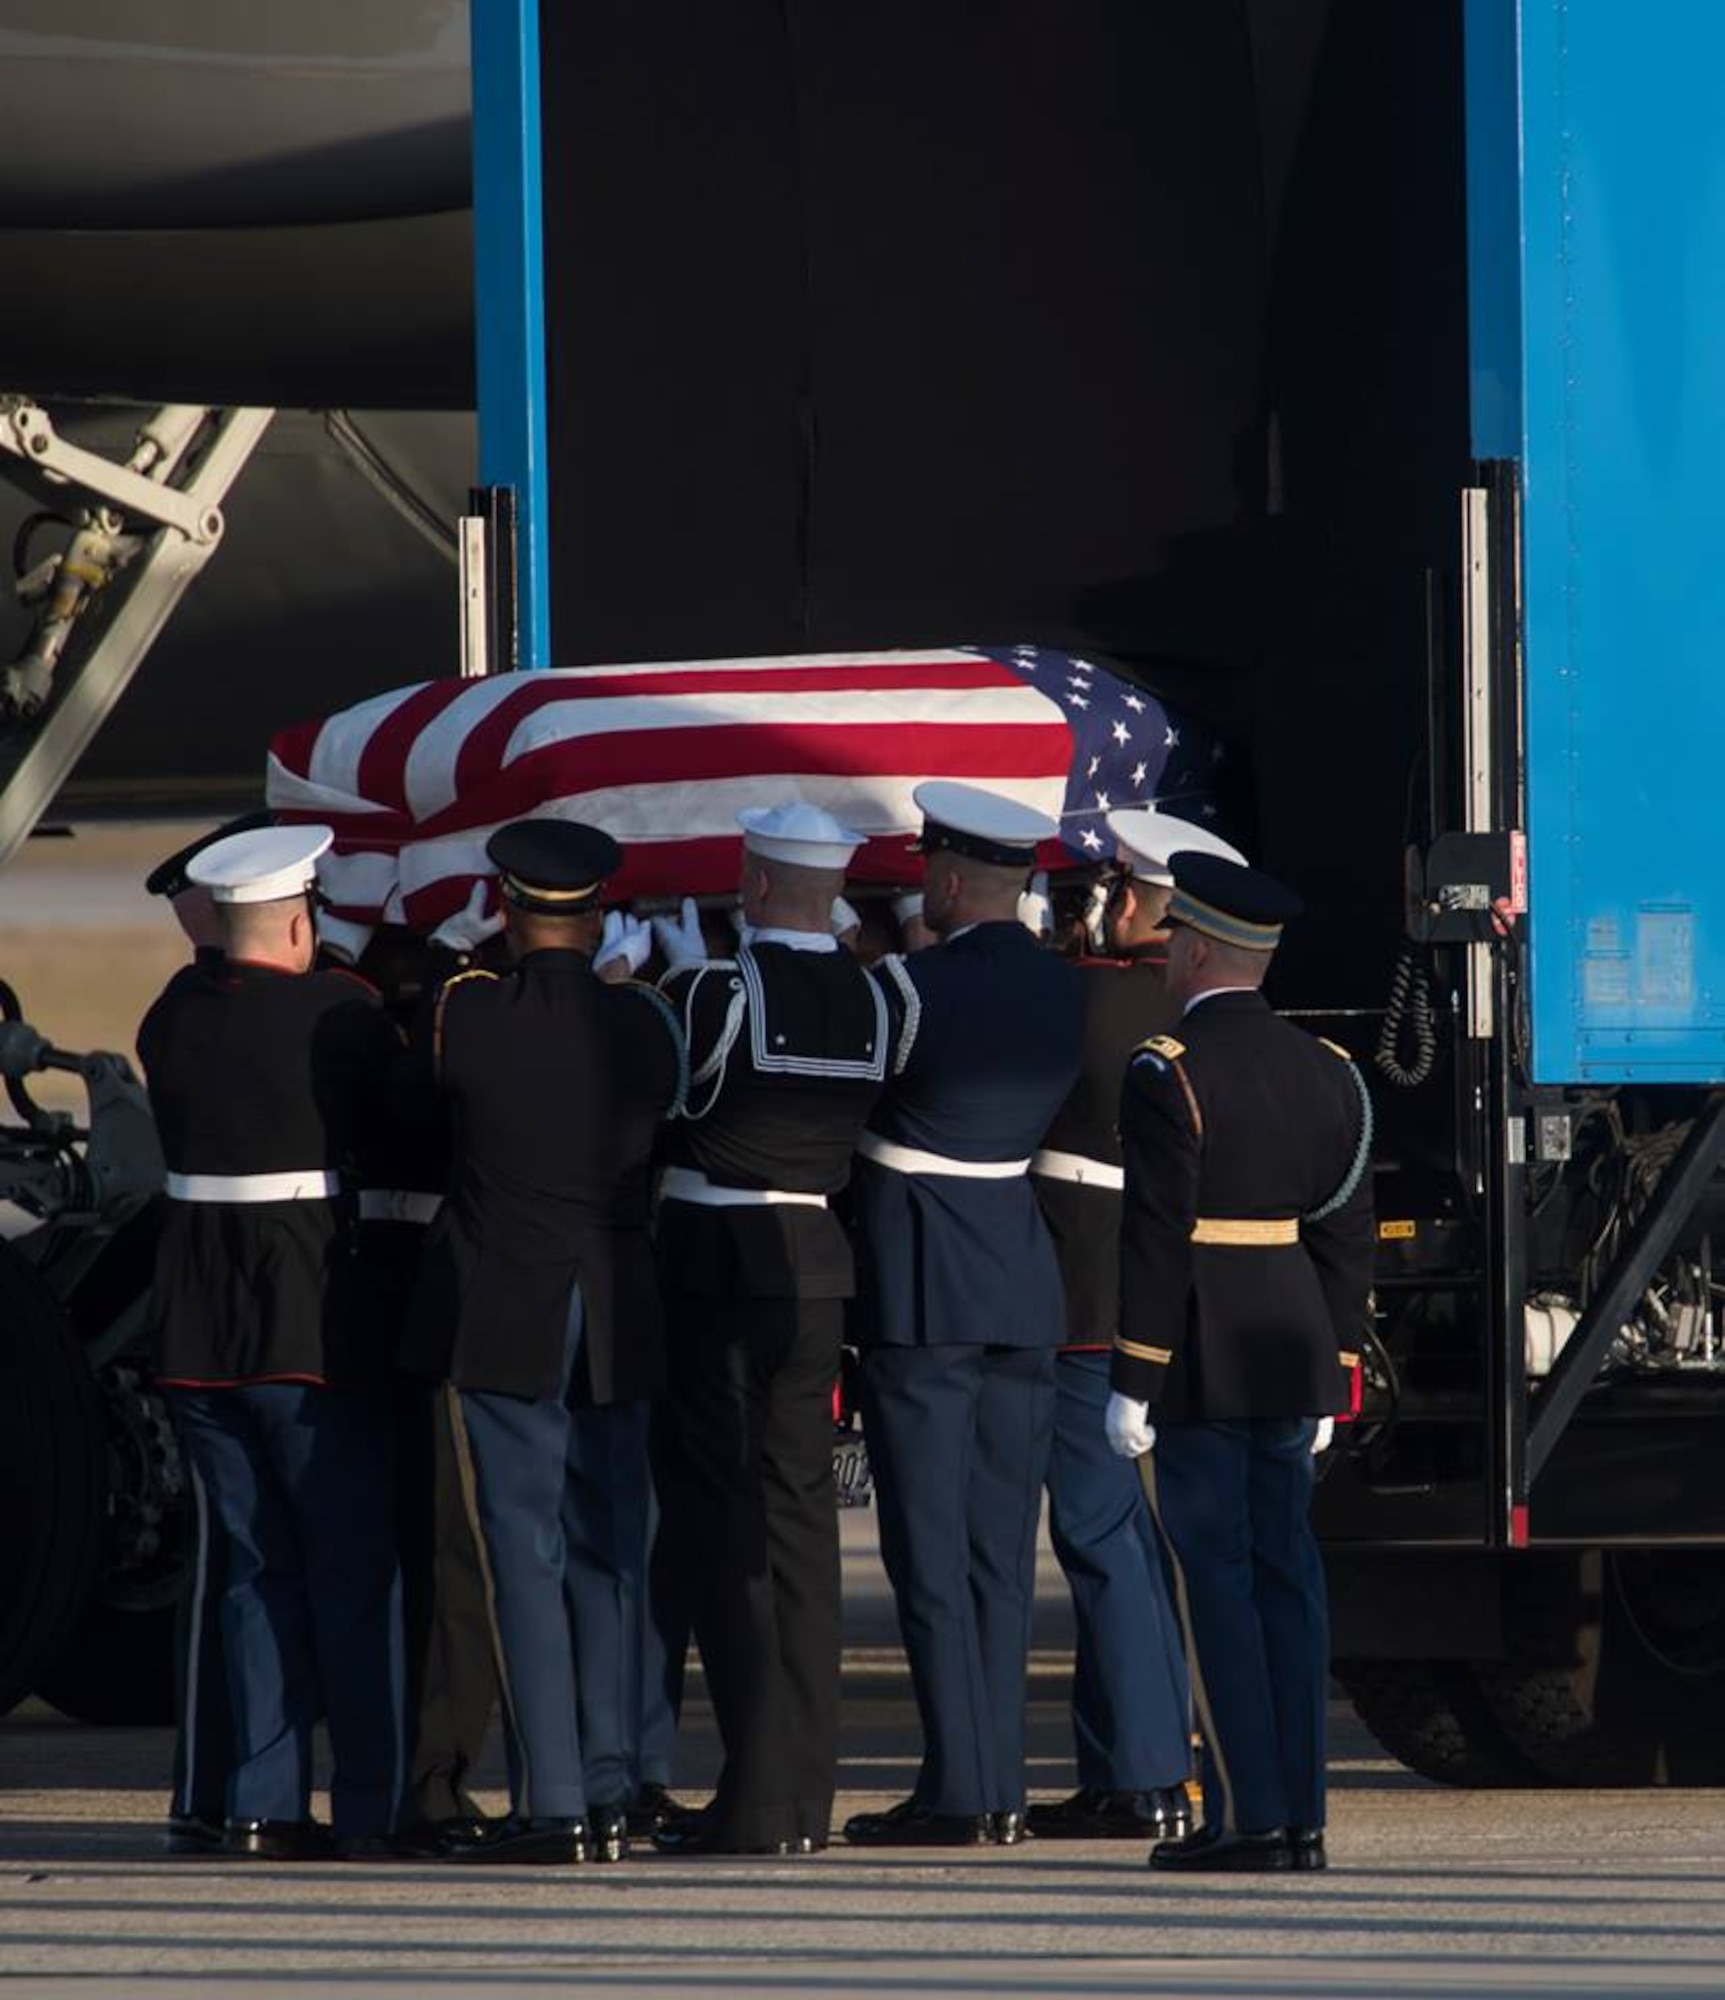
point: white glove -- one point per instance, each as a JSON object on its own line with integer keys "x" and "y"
{"x": 1324, "y": 1436}
{"x": 844, "y": 917}
{"x": 1096, "y": 915}
{"x": 679, "y": 938}
{"x": 626, "y": 938}
{"x": 1035, "y": 911}
{"x": 1130, "y": 1431}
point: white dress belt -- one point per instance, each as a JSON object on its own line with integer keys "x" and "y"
{"x": 690, "y": 1184}
{"x": 1053, "y": 1165}
{"x": 398, "y": 1205}
{"x": 912, "y": 1160}
{"x": 303, "y": 1184}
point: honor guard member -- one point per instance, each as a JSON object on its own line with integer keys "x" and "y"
{"x": 963, "y": 1310}
{"x": 204, "y": 1738}
{"x": 537, "y": 1283}
{"x": 1131, "y": 1705}
{"x": 1245, "y": 1273}
{"x": 451, "y": 1677}
{"x": 790, "y": 1042}
{"x": 263, "y": 1076}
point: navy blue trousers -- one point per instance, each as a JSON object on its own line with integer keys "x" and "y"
{"x": 299, "y": 1482}
{"x": 958, "y": 1439}
{"x": 607, "y": 1533}
{"x": 1234, "y": 1500}
{"x": 664, "y": 1654}
{"x": 1131, "y": 1704}
{"x": 204, "y": 1741}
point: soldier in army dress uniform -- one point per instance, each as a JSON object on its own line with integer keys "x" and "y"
{"x": 537, "y": 1274}
{"x": 790, "y": 1044}
{"x": 963, "y": 1310}
{"x": 264, "y": 1076}
{"x": 1245, "y": 1272}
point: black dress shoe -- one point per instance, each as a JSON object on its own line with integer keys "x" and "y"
{"x": 1009, "y": 1829}
{"x": 277, "y": 1840}
{"x": 529, "y": 1843}
{"x": 692, "y": 1837}
{"x": 653, "y": 1807}
{"x": 1093, "y": 1813}
{"x": 437, "y": 1839}
{"x": 1306, "y": 1849}
{"x": 368, "y": 1847}
{"x": 1212, "y": 1850}
{"x": 191, "y": 1833}
{"x": 909, "y": 1825}
{"x": 607, "y": 1832}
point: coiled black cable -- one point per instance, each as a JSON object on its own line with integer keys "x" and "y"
{"x": 1408, "y": 1014}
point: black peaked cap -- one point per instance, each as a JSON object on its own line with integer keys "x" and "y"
{"x": 553, "y": 867}
{"x": 1229, "y": 901}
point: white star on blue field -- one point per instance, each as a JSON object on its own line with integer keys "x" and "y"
{"x": 1128, "y": 749}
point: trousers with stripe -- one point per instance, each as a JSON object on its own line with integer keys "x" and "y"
{"x": 203, "y": 1743}
{"x": 299, "y": 1480}
{"x": 514, "y": 1451}
{"x": 958, "y": 1439}
{"x": 1234, "y": 1502}
{"x": 1131, "y": 1704}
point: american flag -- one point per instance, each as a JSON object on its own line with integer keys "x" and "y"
{"x": 663, "y": 756}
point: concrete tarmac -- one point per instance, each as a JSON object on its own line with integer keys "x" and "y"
{"x": 1431, "y": 1892}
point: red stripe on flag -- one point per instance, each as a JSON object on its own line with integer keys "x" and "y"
{"x": 674, "y": 757}
{"x": 483, "y": 749}
{"x": 293, "y": 746}
{"x": 382, "y": 767}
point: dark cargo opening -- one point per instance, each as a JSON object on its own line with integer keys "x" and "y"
{"x": 1126, "y": 325}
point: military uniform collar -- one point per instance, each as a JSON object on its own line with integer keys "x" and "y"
{"x": 1229, "y": 996}
{"x": 792, "y": 940}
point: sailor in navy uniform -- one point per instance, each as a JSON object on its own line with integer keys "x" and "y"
{"x": 1131, "y": 1704}
{"x": 537, "y": 1280}
{"x": 1245, "y": 1273}
{"x": 263, "y": 1076}
{"x": 963, "y": 1310}
{"x": 203, "y": 1741}
{"x": 790, "y": 1045}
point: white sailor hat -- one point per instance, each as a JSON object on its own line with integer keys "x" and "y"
{"x": 968, "y": 820}
{"x": 799, "y": 832}
{"x": 265, "y": 866}
{"x": 1148, "y": 839}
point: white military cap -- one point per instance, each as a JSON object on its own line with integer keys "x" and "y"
{"x": 969, "y": 820}
{"x": 1148, "y": 839}
{"x": 267, "y": 866}
{"x": 799, "y": 832}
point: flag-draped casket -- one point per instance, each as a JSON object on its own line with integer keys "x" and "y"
{"x": 664, "y": 755}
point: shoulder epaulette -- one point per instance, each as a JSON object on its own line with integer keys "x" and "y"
{"x": 442, "y": 1000}
{"x": 1163, "y": 1047}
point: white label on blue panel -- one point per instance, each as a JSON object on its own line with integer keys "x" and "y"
{"x": 1665, "y": 959}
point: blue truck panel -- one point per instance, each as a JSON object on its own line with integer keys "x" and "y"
{"x": 509, "y": 293}
{"x": 1619, "y": 302}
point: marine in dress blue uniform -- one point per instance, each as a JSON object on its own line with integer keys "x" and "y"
{"x": 264, "y": 1077}
{"x": 790, "y": 1044}
{"x": 1246, "y": 1253}
{"x": 1131, "y": 1702}
{"x": 962, "y": 1309}
{"x": 537, "y": 1283}
{"x": 203, "y": 1740}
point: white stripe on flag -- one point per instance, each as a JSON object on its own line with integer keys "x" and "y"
{"x": 333, "y": 766}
